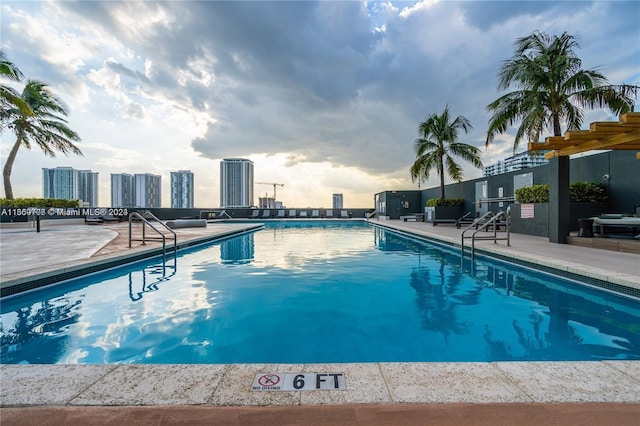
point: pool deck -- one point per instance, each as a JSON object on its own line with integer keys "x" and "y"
{"x": 603, "y": 392}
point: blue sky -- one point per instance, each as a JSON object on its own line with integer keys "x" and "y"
{"x": 324, "y": 96}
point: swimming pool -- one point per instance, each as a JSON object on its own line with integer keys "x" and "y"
{"x": 318, "y": 292}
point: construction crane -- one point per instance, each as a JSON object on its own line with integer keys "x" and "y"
{"x": 274, "y": 187}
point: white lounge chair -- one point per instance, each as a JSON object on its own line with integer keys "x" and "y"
{"x": 315, "y": 213}
{"x": 281, "y": 213}
{"x": 303, "y": 213}
{"x": 344, "y": 214}
{"x": 292, "y": 213}
{"x": 329, "y": 214}
{"x": 266, "y": 214}
{"x": 254, "y": 214}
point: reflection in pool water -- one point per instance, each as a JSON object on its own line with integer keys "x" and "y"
{"x": 318, "y": 292}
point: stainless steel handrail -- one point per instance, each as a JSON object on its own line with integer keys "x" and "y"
{"x": 488, "y": 219}
{"x": 144, "y": 239}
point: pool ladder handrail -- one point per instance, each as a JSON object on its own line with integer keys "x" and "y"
{"x": 487, "y": 219}
{"x": 163, "y": 237}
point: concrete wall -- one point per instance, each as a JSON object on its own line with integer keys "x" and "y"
{"x": 623, "y": 187}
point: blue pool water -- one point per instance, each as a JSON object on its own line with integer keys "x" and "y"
{"x": 318, "y": 292}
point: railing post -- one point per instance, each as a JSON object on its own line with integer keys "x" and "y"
{"x": 130, "y": 216}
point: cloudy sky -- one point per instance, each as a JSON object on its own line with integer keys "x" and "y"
{"x": 322, "y": 96}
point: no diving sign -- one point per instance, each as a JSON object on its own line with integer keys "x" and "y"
{"x": 298, "y": 381}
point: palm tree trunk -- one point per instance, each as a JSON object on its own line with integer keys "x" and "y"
{"x": 441, "y": 172}
{"x": 8, "y": 166}
{"x": 557, "y": 131}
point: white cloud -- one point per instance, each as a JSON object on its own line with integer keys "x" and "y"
{"x": 325, "y": 97}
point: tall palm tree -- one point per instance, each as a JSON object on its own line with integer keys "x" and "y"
{"x": 46, "y": 127}
{"x": 9, "y": 98}
{"x": 552, "y": 89}
{"x": 437, "y": 144}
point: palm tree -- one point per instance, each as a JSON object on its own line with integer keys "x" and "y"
{"x": 9, "y": 98}
{"x": 552, "y": 88}
{"x": 45, "y": 127}
{"x": 437, "y": 143}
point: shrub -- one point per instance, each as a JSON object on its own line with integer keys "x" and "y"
{"x": 587, "y": 192}
{"x": 579, "y": 192}
{"x": 21, "y": 203}
{"x": 533, "y": 194}
{"x": 437, "y": 202}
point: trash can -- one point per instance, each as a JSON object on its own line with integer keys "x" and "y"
{"x": 585, "y": 228}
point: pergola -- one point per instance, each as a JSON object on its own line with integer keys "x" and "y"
{"x": 623, "y": 135}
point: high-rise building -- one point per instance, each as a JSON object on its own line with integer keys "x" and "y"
{"x": 182, "y": 189}
{"x": 122, "y": 190}
{"x": 236, "y": 183}
{"x": 71, "y": 184}
{"x": 337, "y": 201}
{"x": 88, "y": 187}
{"x": 522, "y": 160}
{"x": 147, "y": 190}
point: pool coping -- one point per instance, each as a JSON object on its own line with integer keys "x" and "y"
{"x": 367, "y": 383}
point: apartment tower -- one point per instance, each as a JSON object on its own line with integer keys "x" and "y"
{"x": 122, "y": 190}
{"x": 71, "y": 184}
{"x": 182, "y": 189}
{"x": 236, "y": 183}
{"x": 147, "y": 190}
{"x": 337, "y": 201}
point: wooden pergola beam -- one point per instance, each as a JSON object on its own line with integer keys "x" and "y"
{"x": 620, "y": 141}
{"x": 623, "y": 135}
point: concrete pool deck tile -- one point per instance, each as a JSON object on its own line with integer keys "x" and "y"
{"x": 364, "y": 382}
{"x": 47, "y": 384}
{"x": 554, "y": 382}
{"x": 19, "y": 250}
{"x": 450, "y": 383}
{"x": 235, "y": 386}
{"x": 161, "y": 384}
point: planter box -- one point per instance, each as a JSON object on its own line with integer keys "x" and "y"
{"x": 443, "y": 214}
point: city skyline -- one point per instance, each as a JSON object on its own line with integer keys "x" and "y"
{"x": 331, "y": 105}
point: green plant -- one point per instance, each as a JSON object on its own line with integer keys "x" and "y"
{"x": 20, "y": 203}
{"x": 533, "y": 194}
{"x": 587, "y": 192}
{"x": 437, "y": 202}
{"x": 579, "y": 192}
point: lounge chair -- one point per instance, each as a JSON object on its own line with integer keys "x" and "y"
{"x": 328, "y": 214}
{"x": 623, "y": 223}
{"x": 303, "y": 213}
{"x": 254, "y": 214}
{"x": 266, "y": 214}
{"x": 344, "y": 214}
{"x": 281, "y": 213}
{"x": 111, "y": 218}
{"x": 93, "y": 218}
{"x": 292, "y": 213}
{"x": 315, "y": 214}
